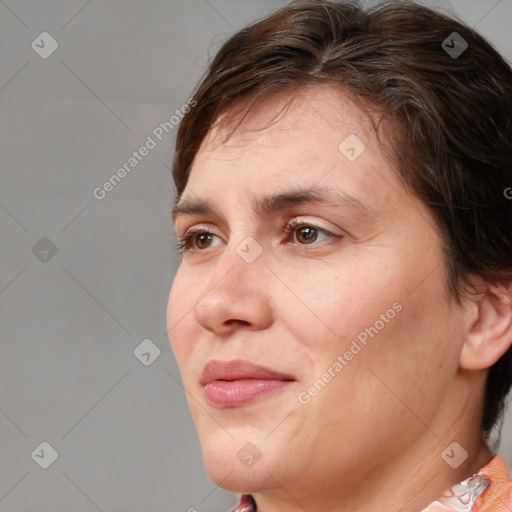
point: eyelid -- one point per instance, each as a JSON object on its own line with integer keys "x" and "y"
{"x": 194, "y": 228}
{"x": 298, "y": 221}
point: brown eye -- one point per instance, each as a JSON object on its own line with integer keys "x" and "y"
{"x": 304, "y": 233}
{"x": 307, "y": 234}
{"x": 202, "y": 238}
{"x": 194, "y": 240}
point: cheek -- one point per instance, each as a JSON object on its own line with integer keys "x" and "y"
{"x": 392, "y": 341}
{"x": 331, "y": 307}
{"x": 411, "y": 363}
{"x": 173, "y": 303}
{"x": 178, "y": 322}
{"x": 390, "y": 389}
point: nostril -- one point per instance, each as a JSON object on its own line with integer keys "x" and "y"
{"x": 234, "y": 320}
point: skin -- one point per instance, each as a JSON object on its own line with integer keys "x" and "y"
{"x": 372, "y": 438}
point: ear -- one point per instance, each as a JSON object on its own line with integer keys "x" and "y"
{"x": 489, "y": 332}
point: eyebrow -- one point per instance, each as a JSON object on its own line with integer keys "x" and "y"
{"x": 282, "y": 201}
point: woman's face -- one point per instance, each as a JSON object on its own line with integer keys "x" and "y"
{"x": 347, "y": 313}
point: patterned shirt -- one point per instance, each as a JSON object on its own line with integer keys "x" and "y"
{"x": 489, "y": 490}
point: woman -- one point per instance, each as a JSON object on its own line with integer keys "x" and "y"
{"x": 342, "y": 314}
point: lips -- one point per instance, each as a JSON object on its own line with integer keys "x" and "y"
{"x": 236, "y": 383}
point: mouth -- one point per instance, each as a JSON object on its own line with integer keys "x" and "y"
{"x": 236, "y": 383}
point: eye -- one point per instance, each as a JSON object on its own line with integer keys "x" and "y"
{"x": 199, "y": 236}
{"x": 198, "y": 239}
{"x": 306, "y": 233}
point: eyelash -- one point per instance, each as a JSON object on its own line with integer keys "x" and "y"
{"x": 184, "y": 243}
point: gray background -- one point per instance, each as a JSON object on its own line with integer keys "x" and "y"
{"x": 71, "y": 322}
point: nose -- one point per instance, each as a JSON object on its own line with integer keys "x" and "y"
{"x": 237, "y": 296}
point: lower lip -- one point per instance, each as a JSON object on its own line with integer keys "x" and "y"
{"x": 235, "y": 393}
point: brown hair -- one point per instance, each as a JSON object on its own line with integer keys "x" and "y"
{"x": 446, "y": 119}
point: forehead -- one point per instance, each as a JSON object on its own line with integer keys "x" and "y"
{"x": 295, "y": 115}
{"x": 316, "y": 135}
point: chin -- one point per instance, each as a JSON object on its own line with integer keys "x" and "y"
{"x": 236, "y": 478}
{"x": 234, "y": 464}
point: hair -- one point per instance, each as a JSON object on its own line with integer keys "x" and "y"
{"x": 445, "y": 120}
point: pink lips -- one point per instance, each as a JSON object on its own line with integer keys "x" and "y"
{"x": 236, "y": 383}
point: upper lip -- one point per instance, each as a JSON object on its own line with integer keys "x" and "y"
{"x": 238, "y": 369}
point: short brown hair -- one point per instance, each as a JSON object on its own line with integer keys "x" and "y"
{"x": 445, "y": 119}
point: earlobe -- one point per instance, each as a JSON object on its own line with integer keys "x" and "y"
{"x": 490, "y": 335}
